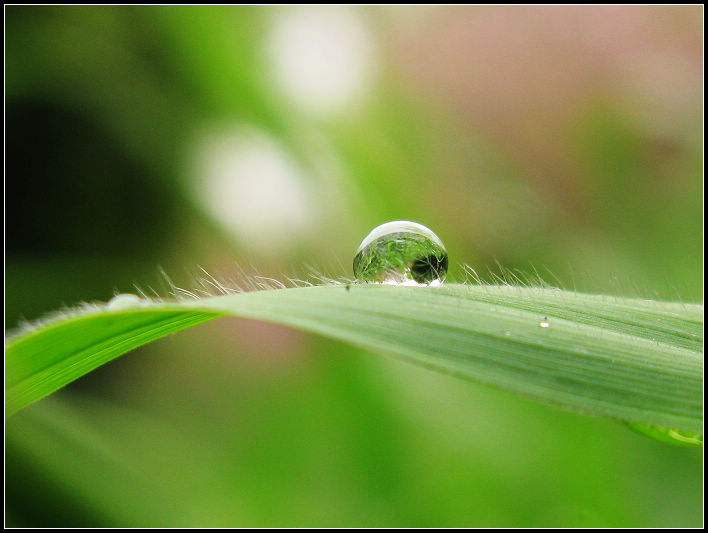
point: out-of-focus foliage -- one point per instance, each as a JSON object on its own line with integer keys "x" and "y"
{"x": 560, "y": 139}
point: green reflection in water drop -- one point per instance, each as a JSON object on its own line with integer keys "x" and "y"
{"x": 680, "y": 437}
{"x": 401, "y": 253}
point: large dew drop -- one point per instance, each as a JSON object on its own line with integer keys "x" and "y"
{"x": 124, "y": 301}
{"x": 401, "y": 253}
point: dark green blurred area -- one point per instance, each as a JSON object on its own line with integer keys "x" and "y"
{"x": 560, "y": 140}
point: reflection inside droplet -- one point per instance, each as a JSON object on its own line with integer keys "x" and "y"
{"x": 401, "y": 253}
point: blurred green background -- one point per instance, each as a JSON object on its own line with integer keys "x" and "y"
{"x": 270, "y": 140}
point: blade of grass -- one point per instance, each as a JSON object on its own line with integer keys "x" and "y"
{"x": 630, "y": 359}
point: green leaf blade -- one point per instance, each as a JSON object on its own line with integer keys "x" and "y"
{"x": 41, "y": 362}
{"x": 630, "y": 359}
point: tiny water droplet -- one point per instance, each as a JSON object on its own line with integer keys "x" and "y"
{"x": 123, "y": 301}
{"x": 401, "y": 253}
{"x": 544, "y": 323}
{"x": 507, "y": 333}
{"x": 681, "y": 437}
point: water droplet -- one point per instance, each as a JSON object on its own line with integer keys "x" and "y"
{"x": 681, "y": 437}
{"x": 507, "y": 333}
{"x": 123, "y": 301}
{"x": 401, "y": 253}
{"x": 544, "y": 323}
